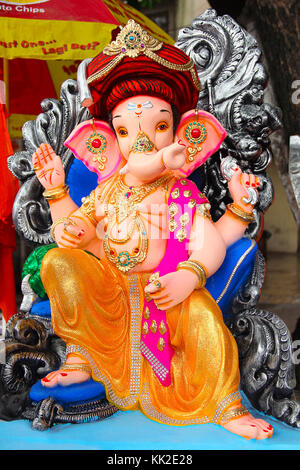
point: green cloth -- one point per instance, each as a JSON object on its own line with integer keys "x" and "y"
{"x": 32, "y": 266}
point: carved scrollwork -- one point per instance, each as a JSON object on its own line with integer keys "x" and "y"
{"x": 266, "y": 363}
{"x": 228, "y": 62}
{"x": 31, "y": 214}
{"x": 32, "y": 350}
{"x": 49, "y": 412}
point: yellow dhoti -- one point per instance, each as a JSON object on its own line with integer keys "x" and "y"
{"x": 98, "y": 312}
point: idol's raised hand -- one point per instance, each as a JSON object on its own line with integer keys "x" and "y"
{"x": 48, "y": 167}
{"x": 242, "y": 186}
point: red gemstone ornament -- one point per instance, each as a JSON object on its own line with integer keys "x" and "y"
{"x": 196, "y": 133}
{"x": 96, "y": 143}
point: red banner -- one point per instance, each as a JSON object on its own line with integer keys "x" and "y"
{"x": 74, "y": 10}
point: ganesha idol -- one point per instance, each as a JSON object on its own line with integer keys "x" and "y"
{"x": 127, "y": 282}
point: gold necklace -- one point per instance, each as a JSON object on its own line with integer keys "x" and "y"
{"x": 124, "y": 200}
{"x": 129, "y": 196}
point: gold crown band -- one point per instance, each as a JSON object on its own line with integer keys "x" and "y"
{"x": 188, "y": 67}
{"x": 106, "y": 70}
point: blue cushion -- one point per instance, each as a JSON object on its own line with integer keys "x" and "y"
{"x": 233, "y": 274}
{"x": 41, "y": 308}
{"x": 75, "y": 393}
{"x": 80, "y": 180}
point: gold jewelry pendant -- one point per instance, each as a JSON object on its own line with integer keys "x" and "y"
{"x": 125, "y": 261}
{"x": 195, "y": 133}
{"x": 96, "y": 144}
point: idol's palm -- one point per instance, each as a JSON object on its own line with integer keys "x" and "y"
{"x": 48, "y": 167}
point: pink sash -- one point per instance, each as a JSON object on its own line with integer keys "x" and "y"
{"x": 155, "y": 336}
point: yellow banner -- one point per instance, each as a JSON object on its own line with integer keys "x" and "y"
{"x": 39, "y": 39}
{"x": 64, "y": 40}
{"x": 15, "y": 124}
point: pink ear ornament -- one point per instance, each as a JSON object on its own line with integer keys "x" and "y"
{"x": 95, "y": 144}
{"x": 202, "y": 134}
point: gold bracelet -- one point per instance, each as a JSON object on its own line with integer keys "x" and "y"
{"x": 202, "y": 271}
{"x": 197, "y": 268}
{"x": 234, "y": 414}
{"x": 239, "y": 212}
{"x": 78, "y": 366}
{"x": 56, "y": 193}
{"x": 64, "y": 220}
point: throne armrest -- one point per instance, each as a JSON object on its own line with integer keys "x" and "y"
{"x": 233, "y": 275}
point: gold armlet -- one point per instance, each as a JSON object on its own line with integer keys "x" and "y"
{"x": 234, "y": 414}
{"x": 62, "y": 220}
{"x": 56, "y": 193}
{"x": 197, "y": 268}
{"x": 88, "y": 208}
{"x": 239, "y": 212}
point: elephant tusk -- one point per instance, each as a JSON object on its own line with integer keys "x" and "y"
{"x": 124, "y": 170}
{"x": 83, "y": 88}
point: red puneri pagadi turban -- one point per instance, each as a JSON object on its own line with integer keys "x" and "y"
{"x": 158, "y": 69}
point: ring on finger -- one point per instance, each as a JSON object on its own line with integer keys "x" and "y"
{"x": 72, "y": 235}
{"x": 68, "y": 222}
{"x": 157, "y": 284}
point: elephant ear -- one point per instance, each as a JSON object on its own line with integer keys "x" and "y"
{"x": 95, "y": 144}
{"x": 202, "y": 134}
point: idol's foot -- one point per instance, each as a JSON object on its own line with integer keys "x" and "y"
{"x": 238, "y": 421}
{"x": 73, "y": 371}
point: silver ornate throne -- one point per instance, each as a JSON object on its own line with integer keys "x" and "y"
{"x": 233, "y": 78}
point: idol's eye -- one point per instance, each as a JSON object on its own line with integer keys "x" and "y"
{"x": 162, "y": 126}
{"x": 122, "y": 132}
